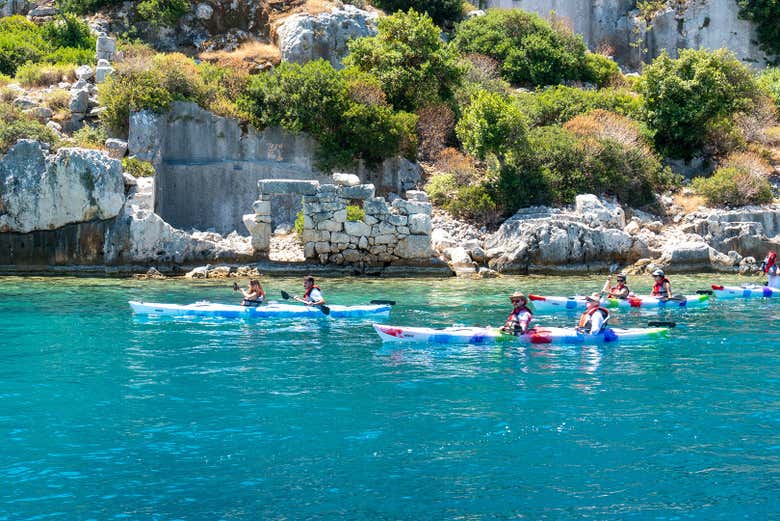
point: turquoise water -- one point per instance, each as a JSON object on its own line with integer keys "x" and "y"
{"x": 107, "y": 416}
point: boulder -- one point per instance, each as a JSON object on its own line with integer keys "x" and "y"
{"x": 105, "y": 48}
{"x": 117, "y": 148}
{"x": 420, "y": 224}
{"x": 414, "y": 247}
{"x": 599, "y": 212}
{"x": 84, "y": 72}
{"x": 361, "y": 192}
{"x": 12, "y": 7}
{"x": 204, "y": 11}
{"x": 346, "y": 179}
{"x": 79, "y": 101}
{"x": 44, "y": 193}
{"x": 305, "y": 37}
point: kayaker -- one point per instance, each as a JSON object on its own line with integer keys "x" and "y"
{"x": 520, "y": 318}
{"x": 619, "y": 290}
{"x": 594, "y": 319}
{"x": 769, "y": 266}
{"x": 312, "y": 295}
{"x": 253, "y": 296}
{"x": 662, "y": 287}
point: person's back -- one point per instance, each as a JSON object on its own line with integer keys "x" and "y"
{"x": 594, "y": 319}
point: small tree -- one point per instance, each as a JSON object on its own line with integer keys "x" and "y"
{"x": 413, "y": 64}
{"x": 683, "y": 95}
{"x": 441, "y": 11}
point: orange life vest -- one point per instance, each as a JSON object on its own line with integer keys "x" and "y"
{"x": 587, "y": 317}
{"x": 659, "y": 290}
{"x": 308, "y": 292}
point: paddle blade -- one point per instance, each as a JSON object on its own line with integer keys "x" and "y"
{"x": 285, "y": 295}
{"x": 325, "y": 309}
{"x": 661, "y": 324}
{"x": 384, "y": 302}
{"x": 704, "y": 292}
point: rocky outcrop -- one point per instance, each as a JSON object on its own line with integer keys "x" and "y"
{"x": 40, "y": 192}
{"x": 12, "y": 7}
{"x": 304, "y": 37}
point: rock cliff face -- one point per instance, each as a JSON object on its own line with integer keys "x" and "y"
{"x": 43, "y": 193}
{"x": 305, "y": 37}
{"x": 617, "y": 24}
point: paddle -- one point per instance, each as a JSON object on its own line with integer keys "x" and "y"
{"x": 704, "y": 292}
{"x": 675, "y": 298}
{"x": 661, "y": 324}
{"x": 325, "y": 309}
{"x": 235, "y": 286}
{"x": 384, "y": 302}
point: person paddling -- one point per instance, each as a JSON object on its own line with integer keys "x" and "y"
{"x": 312, "y": 295}
{"x": 662, "y": 287}
{"x": 594, "y": 319}
{"x": 519, "y": 319}
{"x": 253, "y": 296}
{"x": 619, "y": 290}
{"x": 770, "y": 268}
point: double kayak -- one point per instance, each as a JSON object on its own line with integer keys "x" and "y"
{"x": 746, "y": 291}
{"x": 544, "y": 304}
{"x": 494, "y": 335}
{"x": 270, "y": 310}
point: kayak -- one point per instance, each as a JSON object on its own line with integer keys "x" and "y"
{"x": 746, "y": 291}
{"x": 493, "y": 335}
{"x": 271, "y": 310}
{"x": 543, "y": 304}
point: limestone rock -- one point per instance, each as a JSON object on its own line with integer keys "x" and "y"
{"x": 414, "y": 247}
{"x": 117, "y": 148}
{"x": 84, "y": 72}
{"x": 304, "y": 37}
{"x": 346, "y": 179}
{"x": 44, "y": 193}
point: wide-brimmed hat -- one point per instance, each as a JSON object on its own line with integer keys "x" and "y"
{"x": 518, "y": 295}
{"x": 594, "y": 297}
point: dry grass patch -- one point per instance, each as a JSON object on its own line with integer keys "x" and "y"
{"x": 689, "y": 203}
{"x": 245, "y": 57}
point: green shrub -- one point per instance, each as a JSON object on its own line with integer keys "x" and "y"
{"x": 45, "y": 74}
{"x": 414, "y": 66}
{"x": 531, "y": 50}
{"x": 5, "y": 80}
{"x": 765, "y": 14}
{"x": 71, "y": 55}
{"x": 14, "y": 125}
{"x": 162, "y": 12}
{"x": 769, "y": 80}
{"x": 475, "y": 202}
{"x": 85, "y": 6}
{"x": 58, "y": 100}
{"x": 441, "y": 188}
{"x": 733, "y": 186}
{"x": 90, "y": 137}
{"x": 683, "y": 95}
{"x": 557, "y": 105}
{"x": 492, "y": 125}
{"x": 441, "y": 11}
{"x": 137, "y": 167}
{"x": 68, "y": 31}
{"x": 298, "y": 225}
{"x": 341, "y": 109}
{"x": 600, "y": 70}
{"x": 355, "y": 213}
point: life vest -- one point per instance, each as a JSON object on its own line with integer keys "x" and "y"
{"x": 659, "y": 290}
{"x": 308, "y": 292}
{"x": 587, "y": 317}
{"x": 619, "y": 287}
{"x": 514, "y": 322}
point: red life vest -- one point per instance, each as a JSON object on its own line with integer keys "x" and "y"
{"x": 587, "y": 317}
{"x": 513, "y": 320}
{"x": 770, "y": 261}
{"x": 659, "y": 290}
{"x": 308, "y": 292}
{"x": 618, "y": 288}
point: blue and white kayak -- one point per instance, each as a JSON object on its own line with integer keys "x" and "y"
{"x": 494, "y": 335}
{"x": 745, "y": 291}
{"x": 270, "y": 310}
{"x": 545, "y": 304}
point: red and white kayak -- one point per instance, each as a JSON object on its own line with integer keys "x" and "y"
{"x": 494, "y": 335}
{"x": 544, "y": 304}
{"x": 744, "y": 291}
{"x": 270, "y": 310}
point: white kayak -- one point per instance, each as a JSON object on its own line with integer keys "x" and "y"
{"x": 745, "y": 291}
{"x": 270, "y": 310}
{"x": 494, "y": 335}
{"x": 545, "y": 304}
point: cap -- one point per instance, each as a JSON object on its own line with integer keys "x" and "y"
{"x": 658, "y": 273}
{"x": 622, "y": 275}
{"x": 595, "y": 297}
{"x": 518, "y": 295}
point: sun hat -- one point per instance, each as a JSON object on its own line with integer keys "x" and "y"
{"x": 595, "y": 297}
{"x": 518, "y": 295}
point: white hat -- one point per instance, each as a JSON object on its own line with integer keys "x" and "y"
{"x": 659, "y": 273}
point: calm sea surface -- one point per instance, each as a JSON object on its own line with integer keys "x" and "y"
{"x": 107, "y": 416}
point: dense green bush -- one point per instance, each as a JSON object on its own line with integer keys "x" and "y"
{"x": 492, "y": 125}
{"x": 440, "y": 11}
{"x": 137, "y": 167}
{"x": 765, "y": 14}
{"x": 769, "y": 80}
{"x": 531, "y": 51}
{"x": 90, "y": 137}
{"x": 344, "y": 110}
{"x": 162, "y": 12}
{"x": 733, "y": 186}
{"x": 298, "y": 225}
{"x": 600, "y": 70}
{"x": 683, "y": 95}
{"x": 355, "y": 213}
{"x": 44, "y": 74}
{"x": 14, "y": 125}
{"x": 414, "y": 66}
{"x": 559, "y": 104}
{"x": 22, "y": 41}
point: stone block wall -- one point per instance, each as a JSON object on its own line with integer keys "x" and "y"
{"x": 389, "y": 233}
